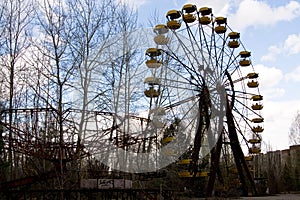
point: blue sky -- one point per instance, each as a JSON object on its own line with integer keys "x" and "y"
{"x": 270, "y": 30}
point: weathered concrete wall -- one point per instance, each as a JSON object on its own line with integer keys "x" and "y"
{"x": 280, "y": 168}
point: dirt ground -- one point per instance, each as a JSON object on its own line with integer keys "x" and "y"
{"x": 274, "y": 197}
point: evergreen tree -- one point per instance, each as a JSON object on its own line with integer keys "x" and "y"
{"x": 286, "y": 178}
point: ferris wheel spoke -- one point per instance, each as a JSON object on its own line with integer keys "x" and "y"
{"x": 195, "y": 47}
{"x": 173, "y": 105}
{"x": 248, "y": 108}
{"x": 192, "y": 55}
{"x": 240, "y": 131}
{"x": 191, "y": 70}
{"x": 219, "y": 55}
{"x": 230, "y": 61}
{"x": 249, "y": 127}
{"x": 242, "y": 94}
{"x": 190, "y": 120}
{"x": 208, "y": 46}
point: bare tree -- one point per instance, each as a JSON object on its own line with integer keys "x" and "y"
{"x": 54, "y": 68}
{"x": 67, "y": 62}
{"x": 101, "y": 40}
{"x": 71, "y": 59}
{"x": 15, "y": 31}
{"x": 93, "y": 24}
{"x": 294, "y": 134}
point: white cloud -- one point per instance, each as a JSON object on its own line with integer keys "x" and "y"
{"x": 290, "y": 46}
{"x": 294, "y": 75}
{"x": 247, "y": 13}
{"x": 278, "y": 117}
{"x": 268, "y": 76}
{"x": 269, "y": 81}
{"x": 273, "y": 93}
{"x": 258, "y": 13}
{"x": 273, "y": 51}
{"x": 134, "y": 4}
{"x": 219, "y": 7}
{"x": 278, "y": 114}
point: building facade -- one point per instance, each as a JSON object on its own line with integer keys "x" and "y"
{"x": 279, "y": 169}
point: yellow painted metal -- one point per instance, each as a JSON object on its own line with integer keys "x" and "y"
{"x": 184, "y": 161}
{"x": 152, "y": 52}
{"x": 220, "y": 29}
{"x": 205, "y": 11}
{"x": 245, "y": 54}
{"x": 189, "y": 8}
{"x": 173, "y": 24}
{"x": 257, "y": 97}
{"x": 257, "y": 120}
{"x": 257, "y": 129}
{"x": 234, "y": 35}
{"x": 252, "y": 75}
{"x": 173, "y": 14}
{"x": 254, "y": 150}
{"x": 204, "y": 20}
{"x": 189, "y": 18}
{"x": 245, "y": 62}
{"x": 161, "y": 29}
{"x": 168, "y": 139}
{"x": 187, "y": 174}
{"x": 254, "y": 141}
{"x": 248, "y": 158}
{"x": 221, "y": 20}
{"x": 233, "y": 44}
{"x": 153, "y": 63}
{"x": 152, "y": 80}
{"x": 252, "y": 84}
{"x": 257, "y": 106}
{"x": 151, "y": 92}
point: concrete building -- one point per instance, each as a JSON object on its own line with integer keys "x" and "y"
{"x": 280, "y": 169}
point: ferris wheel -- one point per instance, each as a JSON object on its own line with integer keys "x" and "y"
{"x": 192, "y": 92}
{"x": 193, "y": 89}
{"x": 202, "y": 70}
